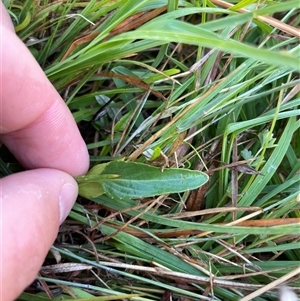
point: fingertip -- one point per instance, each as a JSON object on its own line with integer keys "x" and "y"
{"x": 51, "y": 141}
{"x": 67, "y": 195}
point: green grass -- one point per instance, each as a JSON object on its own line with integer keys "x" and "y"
{"x": 208, "y": 86}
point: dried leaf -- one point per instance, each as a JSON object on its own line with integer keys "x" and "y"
{"x": 134, "y": 81}
{"x": 245, "y": 168}
{"x": 196, "y": 198}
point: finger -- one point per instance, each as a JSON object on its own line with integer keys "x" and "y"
{"x": 26, "y": 93}
{"x": 52, "y": 140}
{"x": 35, "y": 123}
{"x": 4, "y": 18}
{"x": 32, "y": 205}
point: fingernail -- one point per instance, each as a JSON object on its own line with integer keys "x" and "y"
{"x": 67, "y": 197}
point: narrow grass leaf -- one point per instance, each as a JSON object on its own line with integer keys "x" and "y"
{"x": 251, "y": 193}
{"x": 181, "y": 32}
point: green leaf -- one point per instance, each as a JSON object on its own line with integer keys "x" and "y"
{"x": 97, "y": 169}
{"x": 181, "y": 32}
{"x": 130, "y": 180}
{"x": 156, "y": 153}
{"x": 266, "y": 138}
{"x": 246, "y": 154}
{"x": 135, "y": 246}
{"x": 123, "y": 122}
{"x": 138, "y": 180}
{"x": 242, "y": 4}
{"x": 90, "y": 189}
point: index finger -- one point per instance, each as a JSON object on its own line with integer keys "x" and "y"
{"x": 35, "y": 123}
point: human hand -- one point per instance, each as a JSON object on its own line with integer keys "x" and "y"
{"x": 40, "y": 131}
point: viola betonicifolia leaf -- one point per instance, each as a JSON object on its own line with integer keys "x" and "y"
{"x": 131, "y": 180}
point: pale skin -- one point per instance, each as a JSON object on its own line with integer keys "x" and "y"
{"x": 38, "y": 128}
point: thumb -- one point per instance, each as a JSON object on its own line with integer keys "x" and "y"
{"x": 32, "y": 206}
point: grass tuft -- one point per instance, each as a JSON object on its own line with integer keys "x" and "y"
{"x": 214, "y": 87}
